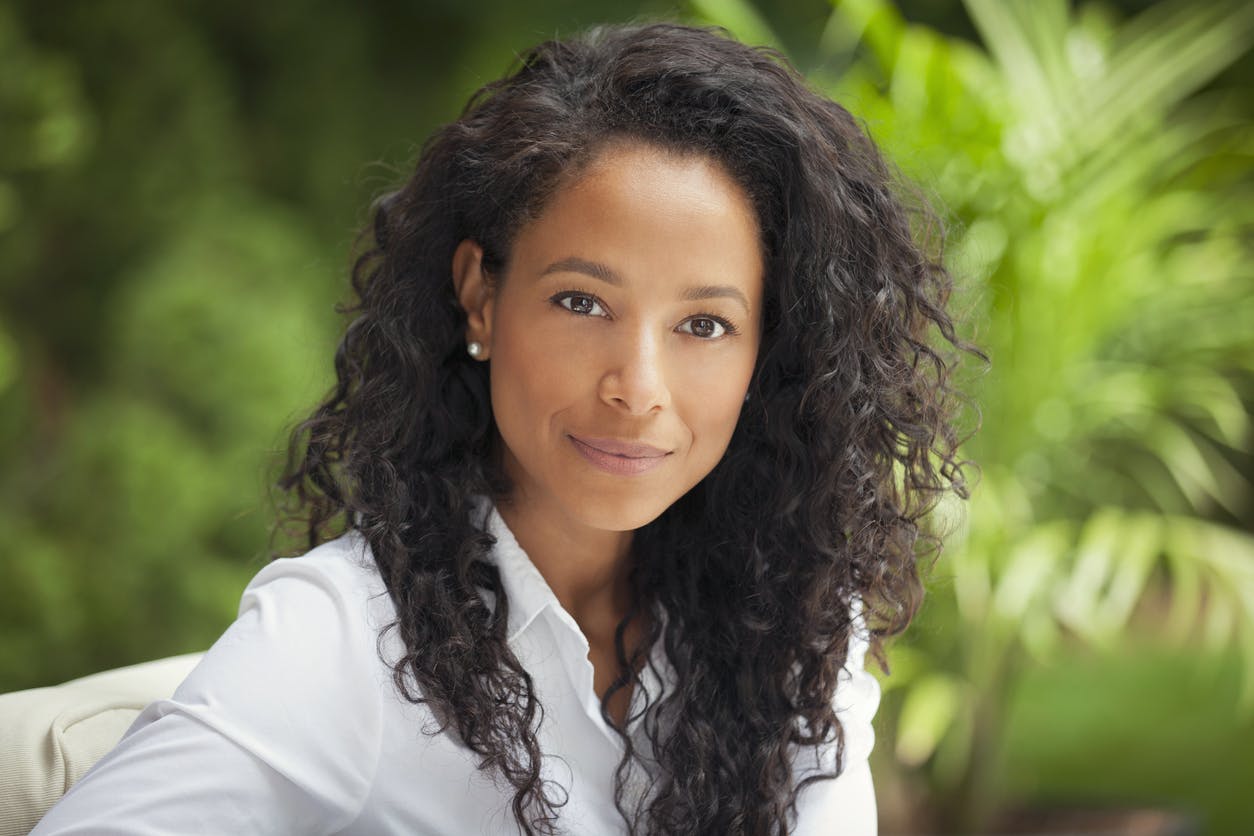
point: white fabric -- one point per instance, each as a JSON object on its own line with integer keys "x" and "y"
{"x": 292, "y": 724}
{"x": 51, "y": 736}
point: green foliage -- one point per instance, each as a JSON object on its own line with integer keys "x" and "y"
{"x": 1099, "y": 184}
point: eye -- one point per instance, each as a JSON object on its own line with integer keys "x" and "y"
{"x": 706, "y": 327}
{"x": 580, "y": 303}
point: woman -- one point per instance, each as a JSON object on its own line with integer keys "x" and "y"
{"x": 621, "y": 477}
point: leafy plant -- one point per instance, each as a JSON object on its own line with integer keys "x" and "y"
{"x": 1100, "y": 184}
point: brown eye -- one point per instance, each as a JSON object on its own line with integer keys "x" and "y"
{"x": 580, "y": 303}
{"x": 704, "y": 327}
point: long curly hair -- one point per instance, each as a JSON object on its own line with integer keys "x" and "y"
{"x": 846, "y": 441}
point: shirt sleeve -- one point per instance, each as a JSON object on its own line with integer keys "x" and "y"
{"x": 277, "y": 730}
{"x": 845, "y": 805}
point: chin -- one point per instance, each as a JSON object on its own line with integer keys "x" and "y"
{"x": 617, "y": 513}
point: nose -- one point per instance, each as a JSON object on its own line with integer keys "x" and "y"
{"x": 634, "y": 380}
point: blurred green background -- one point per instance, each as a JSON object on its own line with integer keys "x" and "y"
{"x": 180, "y": 184}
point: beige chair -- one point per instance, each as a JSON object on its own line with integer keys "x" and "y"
{"x": 50, "y": 736}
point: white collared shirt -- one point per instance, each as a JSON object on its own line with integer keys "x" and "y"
{"x": 292, "y": 723}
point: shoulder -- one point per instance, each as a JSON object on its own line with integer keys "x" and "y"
{"x": 855, "y": 700}
{"x": 277, "y": 729}
{"x": 857, "y": 694}
{"x": 332, "y": 594}
{"x": 342, "y": 570}
{"x": 297, "y": 679}
{"x": 314, "y": 619}
{"x": 850, "y": 797}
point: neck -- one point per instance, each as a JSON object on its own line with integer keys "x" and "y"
{"x": 587, "y": 568}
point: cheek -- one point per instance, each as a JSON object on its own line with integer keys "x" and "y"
{"x": 511, "y": 393}
{"x": 713, "y": 399}
{"x": 532, "y": 374}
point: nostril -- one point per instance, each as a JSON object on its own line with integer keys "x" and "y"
{"x": 637, "y": 386}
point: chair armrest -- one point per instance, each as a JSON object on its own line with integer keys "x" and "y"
{"x": 51, "y": 736}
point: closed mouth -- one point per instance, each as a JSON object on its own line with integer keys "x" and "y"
{"x": 624, "y": 449}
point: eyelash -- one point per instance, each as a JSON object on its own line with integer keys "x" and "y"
{"x": 557, "y": 299}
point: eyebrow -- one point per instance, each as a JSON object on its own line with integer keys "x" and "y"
{"x": 596, "y": 270}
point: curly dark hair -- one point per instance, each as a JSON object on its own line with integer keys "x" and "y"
{"x": 846, "y": 442}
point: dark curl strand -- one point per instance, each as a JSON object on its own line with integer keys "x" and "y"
{"x": 846, "y": 442}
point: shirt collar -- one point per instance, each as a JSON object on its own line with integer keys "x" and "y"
{"x": 528, "y": 592}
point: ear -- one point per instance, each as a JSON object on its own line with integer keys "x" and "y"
{"x": 474, "y": 294}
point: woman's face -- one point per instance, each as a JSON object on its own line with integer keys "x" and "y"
{"x": 622, "y": 335}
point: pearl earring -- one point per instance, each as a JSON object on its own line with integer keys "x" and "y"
{"x": 474, "y": 349}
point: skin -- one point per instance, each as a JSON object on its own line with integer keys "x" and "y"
{"x": 594, "y": 331}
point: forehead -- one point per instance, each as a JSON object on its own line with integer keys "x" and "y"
{"x": 669, "y": 172}
{"x": 649, "y": 213}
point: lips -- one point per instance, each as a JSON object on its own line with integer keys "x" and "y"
{"x": 623, "y": 458}
{"x": 628, "y": 449}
